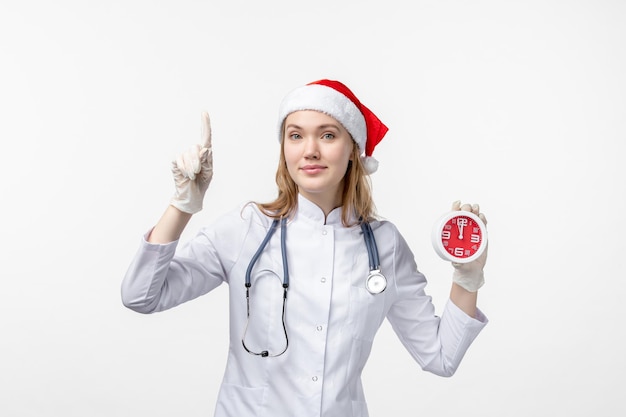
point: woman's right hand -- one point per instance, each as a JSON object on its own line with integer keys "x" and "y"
{"x": 193, "y": 171}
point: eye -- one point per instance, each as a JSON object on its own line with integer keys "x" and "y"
{"x": 295, "y": 136}
{"x": 328, "y": 136}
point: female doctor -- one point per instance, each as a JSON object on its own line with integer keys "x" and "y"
{"x": 311, "y": 275}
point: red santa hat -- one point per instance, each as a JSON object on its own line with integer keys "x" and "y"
{"x": 336, "y": 100}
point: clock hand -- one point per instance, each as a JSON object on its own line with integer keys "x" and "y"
{"x": 461, "y": 224}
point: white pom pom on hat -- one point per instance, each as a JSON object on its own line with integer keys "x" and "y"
{"x": 335, "y": 99}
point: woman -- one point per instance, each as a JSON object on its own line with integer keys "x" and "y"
{"x": 302, "y": 316}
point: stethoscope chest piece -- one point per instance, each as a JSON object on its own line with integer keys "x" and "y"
{"x": 375, "y": 282}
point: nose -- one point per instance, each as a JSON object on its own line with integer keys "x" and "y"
{"x": 311, "y": 149}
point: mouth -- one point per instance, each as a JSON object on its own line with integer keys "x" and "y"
{"x": 312, "y": 169}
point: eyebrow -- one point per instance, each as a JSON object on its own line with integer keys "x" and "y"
{"x": 320, "y": 127}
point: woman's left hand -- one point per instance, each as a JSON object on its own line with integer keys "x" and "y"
{"x": 470, "y": 275}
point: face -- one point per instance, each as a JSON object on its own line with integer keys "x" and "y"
{"x": 317, "y": 152}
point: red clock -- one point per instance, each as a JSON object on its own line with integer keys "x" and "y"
{"x": 459, "y": 236}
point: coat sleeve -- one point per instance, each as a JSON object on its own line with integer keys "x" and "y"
{"x": 160, "y": 277}
{"x": 437, "y": 343}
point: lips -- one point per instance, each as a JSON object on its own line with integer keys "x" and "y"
{"x": 312, "y": 169}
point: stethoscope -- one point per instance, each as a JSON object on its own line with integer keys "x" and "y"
{"x": 375, "y": 282}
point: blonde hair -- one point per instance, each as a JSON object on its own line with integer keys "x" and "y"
{"x": 356, "y": 198}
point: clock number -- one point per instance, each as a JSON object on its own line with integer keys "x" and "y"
{"x": 458, "y": 252}
{"x": 445, "y": 234}
{"x": 475, "y": 238}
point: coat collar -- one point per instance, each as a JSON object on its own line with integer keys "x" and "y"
{"x": 309, "y": 210}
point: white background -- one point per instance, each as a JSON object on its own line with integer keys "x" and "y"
{"x": 516, "y": 105}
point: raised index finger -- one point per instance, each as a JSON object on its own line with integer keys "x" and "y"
{"x": 205, "y": 134}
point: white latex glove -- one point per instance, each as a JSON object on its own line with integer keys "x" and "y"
{"x": 193, "y": 170}
{"x": 470, "y": 275}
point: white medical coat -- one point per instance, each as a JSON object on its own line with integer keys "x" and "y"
{"x": 331, "y": 318}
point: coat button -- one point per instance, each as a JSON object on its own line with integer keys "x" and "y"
{"x": 314, "y": 378}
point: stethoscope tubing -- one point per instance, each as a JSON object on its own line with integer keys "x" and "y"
{"x": 375, "y": 282}
{"x": 248, "y": 284}
{"x": 370, "y": 243}
{"x": 268, "y": 236}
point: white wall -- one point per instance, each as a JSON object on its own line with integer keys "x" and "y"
{"x": 516, "y": 105}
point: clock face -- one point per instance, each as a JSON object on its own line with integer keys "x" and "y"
{"x": 460, "y": 236}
